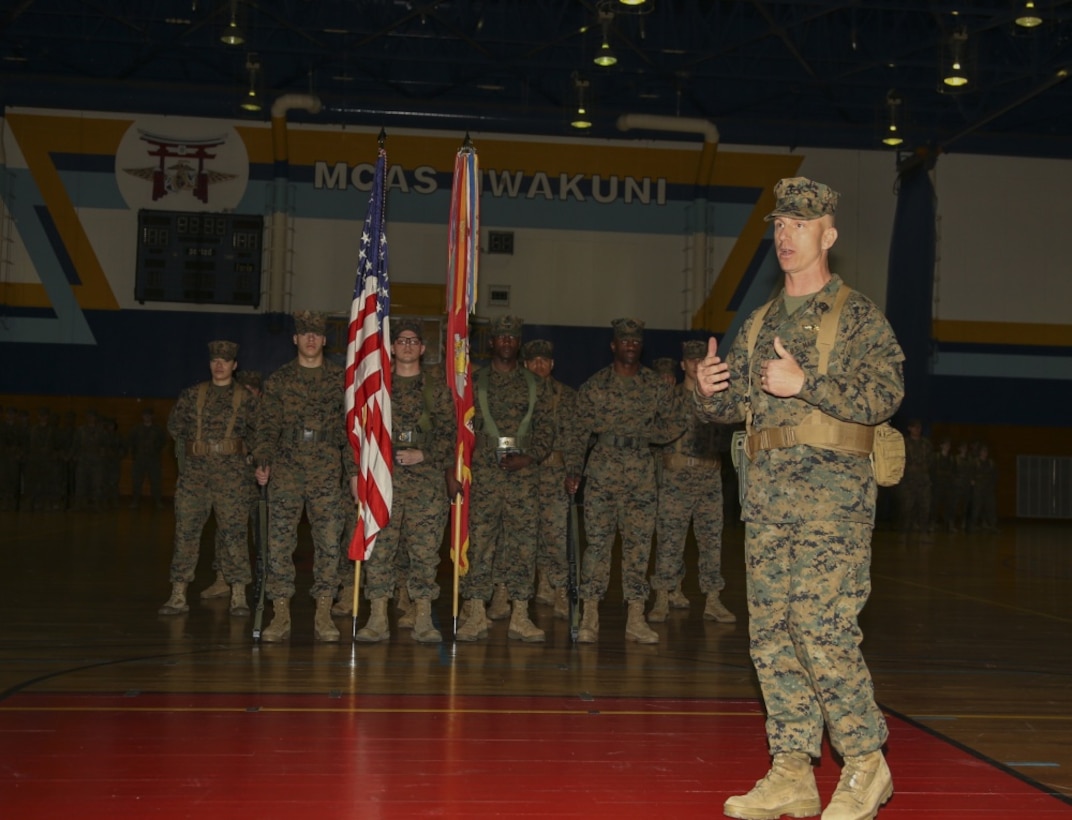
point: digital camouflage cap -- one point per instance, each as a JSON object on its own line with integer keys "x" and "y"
{"x": 538, "y": 349}
{"x": 221, "y": 349}
{"x": 803, "y": 198}
{"x": 402, "y": 324}
{"x": 506, "y": 326}
{"x": 665, "y": 365}
{"x": 310, "y": 321}
{"x": 628, "y": 329}
{"x": 694, "y": 349}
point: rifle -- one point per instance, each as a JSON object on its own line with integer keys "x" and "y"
{"x": 573, "y": 576}
{"x": 260, "y": 533}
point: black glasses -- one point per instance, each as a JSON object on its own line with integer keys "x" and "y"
{"x": 407, "y": 341}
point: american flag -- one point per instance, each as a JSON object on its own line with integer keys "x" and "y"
{"x": 368, "y": 375}
{"x": 462, "y": 262}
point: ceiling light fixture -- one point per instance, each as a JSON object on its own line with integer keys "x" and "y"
{"x": 605, "y": 57}
{"x": 581, "y": 118}
{"x": 954, "y": 73}
{"x": 893, "y": 129}
{"x": 252, "y": 100}
{"x": 1028, "y": 16}
{"x": 232, "y": 35}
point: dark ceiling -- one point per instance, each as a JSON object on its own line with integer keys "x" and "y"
{"x": 766, "y": 72}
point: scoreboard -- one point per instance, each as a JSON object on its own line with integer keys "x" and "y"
{"x": 199, "y": 257}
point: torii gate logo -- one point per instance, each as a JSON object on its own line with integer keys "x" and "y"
{"x": 180, "y": 175}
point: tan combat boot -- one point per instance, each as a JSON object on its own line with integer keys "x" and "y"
{"x": 660, "y": 610}
{"x": 218, "y": 589}
{"x": 324, "y": 628}
{"x": 864, "y": 786}
{"x": 500, "y": 604}
{"x": 787, "y": 789}
{"x": 636, "y": 628}
{"x": 521, "y": 627}
{"x": 589, "y": 629}
{"x": 424, "y": 630}
{"x": 716, "y": 611}
{"x": 475, "y": 627}
{"x": 561, "y": 604}
{"x": 376, "y": 627}
{"x": 239, "y": 607}
{"x": 176, "y": 604}
{"x": 677, "y": 598}
{"x": 344, "y": 604}
{"x": 544, "y": 593}
{"x": 279, "y": 628}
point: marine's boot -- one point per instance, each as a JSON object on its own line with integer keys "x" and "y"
{"x": 475, "y": 627}
{"x": 636, "y": 628}
{"x": 463, "y": 612}
{"x": 500, "y": 604}
{"x": 344, "y": 604}
{"x": 864, "y": 786}
{"x": 324, "y": 628}
{"x": 715, "y": 610}
{"x": 660, "y": 610}
{"x": 218, "y": 589}
{"x": 424, "y": 630}
{"x": 176, "y": 604}
{"x": 787, "y": 789}
{"x": 239, "y": 607}
{"x": 407, "y": 611}
{"x": 376, "y": 627}
{"x": 279, "y": 628}
{"x": 521, "y": 627}
{"x": 589, "y": 629}
{"x": 677, "y": 598}
{"x": 544, "y": 593}
{"x": 561, "y": 604}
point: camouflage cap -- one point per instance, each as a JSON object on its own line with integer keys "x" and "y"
{"x": 538, "y": 349}
{"x": 416, "y": 326}
{"x": 665, "y": 365}
{"x": 250, "y": 378}
{"x": 628, "y": 328}
{"x": 803, "y": 198}
{"x": 223, "y": 350}
{"x": 310, "y": 321}
{"x": 694, "y": 349}
{"x": 506, "y": 326}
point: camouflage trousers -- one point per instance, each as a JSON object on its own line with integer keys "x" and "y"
{"x": 609, "y": 509}
{"x": 553, "y": 516}
{"x": 323, "y": 502}
{"x": 914, "y": 503}
{"x": 807, "y": 583}
{"x": 689, "y": 494}
{"x": 502, "y": 532}
{"x": 213, "y": 486}
{"x": 418, "y": 516}
{"x": 142, "y": 469}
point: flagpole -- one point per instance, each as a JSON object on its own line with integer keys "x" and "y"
{"x": 357, "y": 586}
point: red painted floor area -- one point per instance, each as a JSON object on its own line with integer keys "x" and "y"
{"x": 289, "y": 756}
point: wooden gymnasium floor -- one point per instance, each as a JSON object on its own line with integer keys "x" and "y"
{"x": 108, "y": 710}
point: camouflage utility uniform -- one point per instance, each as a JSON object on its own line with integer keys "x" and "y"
{"x": 690, "y": 490}
{"x": 626, "y": 414}
{"x": 146, "y": 443}
{"x": 503, "y": 505}
{"x": 12, "y": 456}
{"x": 809, "y": 514}
{"x": 422, "y": 416}
{"x": 554, "y": 501}
{"x": 214, "y": 424}
{"x": 301, "y": 435}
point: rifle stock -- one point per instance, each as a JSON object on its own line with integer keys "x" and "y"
{"x": 573, "y": 581}
{"x": 261, "y": 543}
